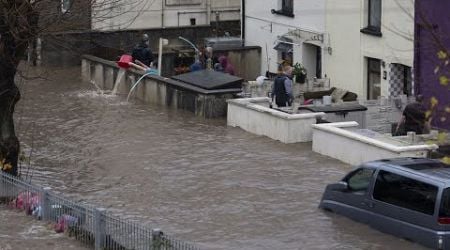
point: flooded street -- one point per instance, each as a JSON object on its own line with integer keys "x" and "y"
{"x": 18, "y": 231}
{"x": 199, "y": 180}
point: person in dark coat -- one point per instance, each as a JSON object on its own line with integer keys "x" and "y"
{"x": 142, "y": 51}
{"x": 282, "y": 88}
{"x": 414, "y": 118}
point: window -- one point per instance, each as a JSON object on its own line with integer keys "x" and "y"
{"x": 287, "y": 8}
{"x": 373, "y": 78}
{"x": 374, "y": 18}
{"x": 359, "y": 180}
{"x": 405, "y": 192}
{"x": 65, "y": 5}
{"x": 444, "y": 210}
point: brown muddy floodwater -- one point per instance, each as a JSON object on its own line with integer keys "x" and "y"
{"x": 199, "y": 180}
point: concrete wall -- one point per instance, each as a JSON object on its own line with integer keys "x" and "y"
{"x": 66, "y": 48}
{"x": 335, "y": 140}
{"x": 255, "y": 116}
{"x": 346, "y": 66}
{"x": 164, "y": 13}
{"x": 262, "y": 28}
{"x": 157, "y": 90}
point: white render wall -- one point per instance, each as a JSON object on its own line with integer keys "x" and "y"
{"x": 346, "y": 66}
{"x": 333, "y": 140}
{"x": 147, "y": 14}
{"x": 262, "y": 28}
{"x": 255, "y": 116}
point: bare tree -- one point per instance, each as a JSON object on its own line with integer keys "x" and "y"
{"x": 21, "y": 22}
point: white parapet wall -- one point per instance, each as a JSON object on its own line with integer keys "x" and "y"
{"x": 255, "y": 116}
{"x": 338, "y": 141}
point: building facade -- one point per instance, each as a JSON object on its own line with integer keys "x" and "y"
{"x": 362, "y": 46}
{"x": 150, "y": 14}
{"x": 286, "y": 30}
{"x": 371, "y": 46}
{"x": 432, "y": 56}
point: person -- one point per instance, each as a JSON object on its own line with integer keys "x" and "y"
{"x": 413, "y": 118}
{"x": 196, "y": 66}
{"x": 226, "y": 65}
{"x": 218, "y": 67}
{"x": 282, "y": 87}
{"x": 142, "y": 51}
{"x": 147, "y": 70}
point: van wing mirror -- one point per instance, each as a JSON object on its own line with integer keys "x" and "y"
{"x": 339, "y": 186}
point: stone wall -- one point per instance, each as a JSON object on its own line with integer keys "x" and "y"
{"x": 67, "y": 47}
{"x": 340, "y": 141}
{"x": 255, "y": 116}
{"x": 156, "y": 89}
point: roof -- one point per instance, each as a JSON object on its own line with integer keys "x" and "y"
{"x": 210, "y": 79}
{"x": 424, "y": 167}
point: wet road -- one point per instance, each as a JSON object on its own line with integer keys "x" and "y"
{"x": 197, "y": 179}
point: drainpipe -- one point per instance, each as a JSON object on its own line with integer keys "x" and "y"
{"x": 243, "y": 22}
{"x": 208, "y": 12}
{"x": 162, "y": 13}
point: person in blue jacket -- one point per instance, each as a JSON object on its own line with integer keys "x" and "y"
{"x": 282, "y": 87}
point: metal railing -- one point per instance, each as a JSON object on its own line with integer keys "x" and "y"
{"x": 94, "y": 227}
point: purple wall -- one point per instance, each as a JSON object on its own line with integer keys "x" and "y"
{"x": 432, "y": 34}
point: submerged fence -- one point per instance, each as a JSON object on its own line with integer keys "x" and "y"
{"x": 94, "y": 227}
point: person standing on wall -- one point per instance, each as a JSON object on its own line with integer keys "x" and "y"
{"x": 282, "y": 87}
{"x": 142, "y": 51}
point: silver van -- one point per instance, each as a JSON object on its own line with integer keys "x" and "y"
{"x": 406, "y": 197}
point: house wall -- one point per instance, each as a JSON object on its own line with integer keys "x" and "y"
{"x": 347, "y": 65}
{"x": 262, "y": 28}
{"x": 149, "y": 14}
{"x": 434, "y": 13}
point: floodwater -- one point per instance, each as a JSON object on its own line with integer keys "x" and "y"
{"x": 18, "y": 231}
{"x": 198, "y": 180}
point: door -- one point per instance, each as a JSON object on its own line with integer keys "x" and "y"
{"x": 405, "y": 206}
{"x": 352, "y": 201}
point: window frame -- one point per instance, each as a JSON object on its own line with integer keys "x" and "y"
{"x": 373, "y": 28}
{"x": 66, "y": 6}
{"x": 354, "y": 173}
{"x": 284, "y": 9}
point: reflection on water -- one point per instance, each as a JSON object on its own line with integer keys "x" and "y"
{"x": 197, "y": 179}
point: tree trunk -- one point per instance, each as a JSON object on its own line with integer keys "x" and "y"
{"x": 9, "y": 95}
{"x": 18, "y": 26}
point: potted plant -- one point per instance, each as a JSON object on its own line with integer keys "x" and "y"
{"x": 299, "y": 72}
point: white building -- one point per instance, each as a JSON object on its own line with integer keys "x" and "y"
{"x": 371, "y": 46}
{"x": 364, "y": 46}
{"x": 287, "y": 30}
{"x": 148, "y": 14}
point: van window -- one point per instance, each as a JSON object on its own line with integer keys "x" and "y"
{"x": 359, "y": 180}
{"x": 405, "y": 192}
{"x": 444, "y": 210}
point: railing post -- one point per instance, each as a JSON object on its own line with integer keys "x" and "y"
{"x": 45, "y": 206}
{"x": 99, "y": 228}
{"x": 156, "y": 239}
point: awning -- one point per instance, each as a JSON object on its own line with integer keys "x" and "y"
{"x": 283, "y": 47}
{"x": 284, "y": 44}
